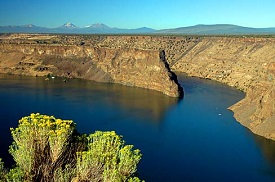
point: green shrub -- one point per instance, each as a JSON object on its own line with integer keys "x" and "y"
{"x": 50, "y": 149}
{"x": 15, "y": 175}
{"x": 41, "y": 145}
{"x": 64, "y": 175}
{"x": 2, "y": 171}
{"x": 110, "y": 158}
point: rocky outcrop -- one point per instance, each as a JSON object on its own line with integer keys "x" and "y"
{"x": 174, "y": 46}
{"x": 128, "y": 66}
{"x": 245, "y": 63}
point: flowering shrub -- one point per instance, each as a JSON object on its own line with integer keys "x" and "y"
{"x": 110, "y": 158}
{"x": 39, "y": 141}
{"x": 50, "y": 149}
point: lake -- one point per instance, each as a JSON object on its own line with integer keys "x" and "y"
{"x": 193, "y": 139}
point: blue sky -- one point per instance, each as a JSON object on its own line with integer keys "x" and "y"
{"x": 157, "y": 14}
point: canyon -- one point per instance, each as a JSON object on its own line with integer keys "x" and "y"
{"x": 246, "y": 63}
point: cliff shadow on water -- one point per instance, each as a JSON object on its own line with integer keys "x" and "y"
{"x": 127, "y": 98}
{"x": 267, "y": 147}
{"x": 133, "y": 100}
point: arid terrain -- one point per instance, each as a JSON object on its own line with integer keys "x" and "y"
{"x": 245, "y": 63}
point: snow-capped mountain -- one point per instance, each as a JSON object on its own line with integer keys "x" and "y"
{"x": 68, "y": 25}
{"x": 98, "y": 25}
{"x": 29, "y": 26}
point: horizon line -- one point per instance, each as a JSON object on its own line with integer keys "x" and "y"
{"x": 200, "y": 24}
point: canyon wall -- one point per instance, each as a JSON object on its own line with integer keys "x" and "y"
{"x": 245, "y": 63}
{"x": 128, "y": 66}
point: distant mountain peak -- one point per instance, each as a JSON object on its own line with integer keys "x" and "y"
{"x": 69, "y": 25}
{"x": 29, "y": 26}
{"x": 98, "y": 26}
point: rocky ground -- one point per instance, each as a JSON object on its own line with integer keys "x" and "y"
{"x": 247, "y": 63}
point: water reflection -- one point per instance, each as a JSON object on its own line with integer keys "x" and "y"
{"x": 137, "y": 101}
{"x": 268, "y": 148}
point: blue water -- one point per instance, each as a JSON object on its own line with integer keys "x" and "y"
{"x": 194, "y": 139}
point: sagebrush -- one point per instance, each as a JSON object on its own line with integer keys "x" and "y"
{"x": 50, "y": 149}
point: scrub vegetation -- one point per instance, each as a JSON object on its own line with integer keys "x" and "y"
{"x": 50, "y": 149}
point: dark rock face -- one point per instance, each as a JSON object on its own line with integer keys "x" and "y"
{"x": 172, "y": 75}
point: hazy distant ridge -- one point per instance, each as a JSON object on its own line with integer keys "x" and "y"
{"x": 218, "y": 29}
{"x": 100, "y": 28}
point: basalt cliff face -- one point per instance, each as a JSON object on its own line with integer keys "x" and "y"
{"x": 245, "y": 63}
{"x": 124, "y": 65}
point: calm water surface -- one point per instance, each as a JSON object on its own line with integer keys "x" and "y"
{"x": 194, "y": 139}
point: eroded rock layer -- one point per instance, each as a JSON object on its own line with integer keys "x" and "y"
{"x": 146, "y": 68}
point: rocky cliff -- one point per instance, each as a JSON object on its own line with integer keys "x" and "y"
{"x": 124, "y": 65}
{"x": 245, "y": 63}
